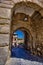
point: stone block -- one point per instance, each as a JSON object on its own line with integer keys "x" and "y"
{"x": 5, "y": 28}
{"x": 5, "y": 21}
{"x": 6, "y": 5}
{"x": 6, "y": 2}
{"x": 5, "y": 13}
{"x": 4, "y": 39}
{"x": 4, "y": 53}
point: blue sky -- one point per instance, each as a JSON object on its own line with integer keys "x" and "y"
{"x": 20, "y": 34}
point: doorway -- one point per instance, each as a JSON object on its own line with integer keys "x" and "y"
{"x": 20, "y": 43}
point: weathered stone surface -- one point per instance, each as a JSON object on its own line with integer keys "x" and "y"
{"x": 23, "y": 9}
{"x": 5, "y": 21}
{"x": 9, "y": 2}
{"x": 5, "y": 13}
{"x": 39, "y": 2}
{"x": 4, "y": 39}
{"x": 4, "y": 53}
{"x": 6, "y": 5}
{"x": 41, "y": 11}
{"x": 5, "y": 28}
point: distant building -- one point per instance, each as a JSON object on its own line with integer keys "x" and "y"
{"x": 20, "y": 40}
{"x": 15, "y": 38}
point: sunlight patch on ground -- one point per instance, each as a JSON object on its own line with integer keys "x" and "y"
{"x": 18, "y": 61}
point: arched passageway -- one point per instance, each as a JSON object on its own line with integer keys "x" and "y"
{"x": 24, "y": 18}
{"x": 19, "y": 43}
{"x": 18, "y": 38}
{"x": 29, "y": 16}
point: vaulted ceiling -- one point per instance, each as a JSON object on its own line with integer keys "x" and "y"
{"x": 35, "y": 4}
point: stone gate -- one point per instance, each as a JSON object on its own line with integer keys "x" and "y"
{"x": 20, "y": 14}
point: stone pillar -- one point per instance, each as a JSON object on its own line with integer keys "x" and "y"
{"x": 5, "y": 21}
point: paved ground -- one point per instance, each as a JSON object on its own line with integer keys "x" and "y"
{"x": 19, "y": 61}
{"x": 21, "y": 57}
{"x": 19, "y": 52}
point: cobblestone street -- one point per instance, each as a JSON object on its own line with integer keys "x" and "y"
{"x": 21, "y": 57}
{"x": 18, "y": 61}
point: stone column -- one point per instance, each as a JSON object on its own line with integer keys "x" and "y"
{"x": 5, "y": 22}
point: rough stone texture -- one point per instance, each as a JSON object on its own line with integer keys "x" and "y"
{"x": 24, "y": 9}
{"x": 39, "y": 2}
{"x": 5, "y": 28}
{"x": 4, "y": 21}
{"x": 37, "y": 26}
{"x": 4, "y": 39}
{"x": 8, "y": 6}
{"x": 36, "y": 29}
{"x": 4, "y": 53}
{"x": 4, "y": 13}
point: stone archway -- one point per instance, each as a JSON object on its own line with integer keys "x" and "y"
{"x": 28, "y": 39}
{"x": 18, "y": 19}
{"x": 6, "y": 12}
{"x": 18, "y": 22}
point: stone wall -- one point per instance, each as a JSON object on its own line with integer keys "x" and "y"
{"x": 37, "y": 26}
{"x": 5, "y": 21}
{"x": 6, "y": 7}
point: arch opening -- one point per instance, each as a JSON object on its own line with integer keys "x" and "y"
{"x": 27, "y": 35}
{"x": 21, "y": 39}
{"x": 16, "y": 23}
{"x": 18, "y": 37}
